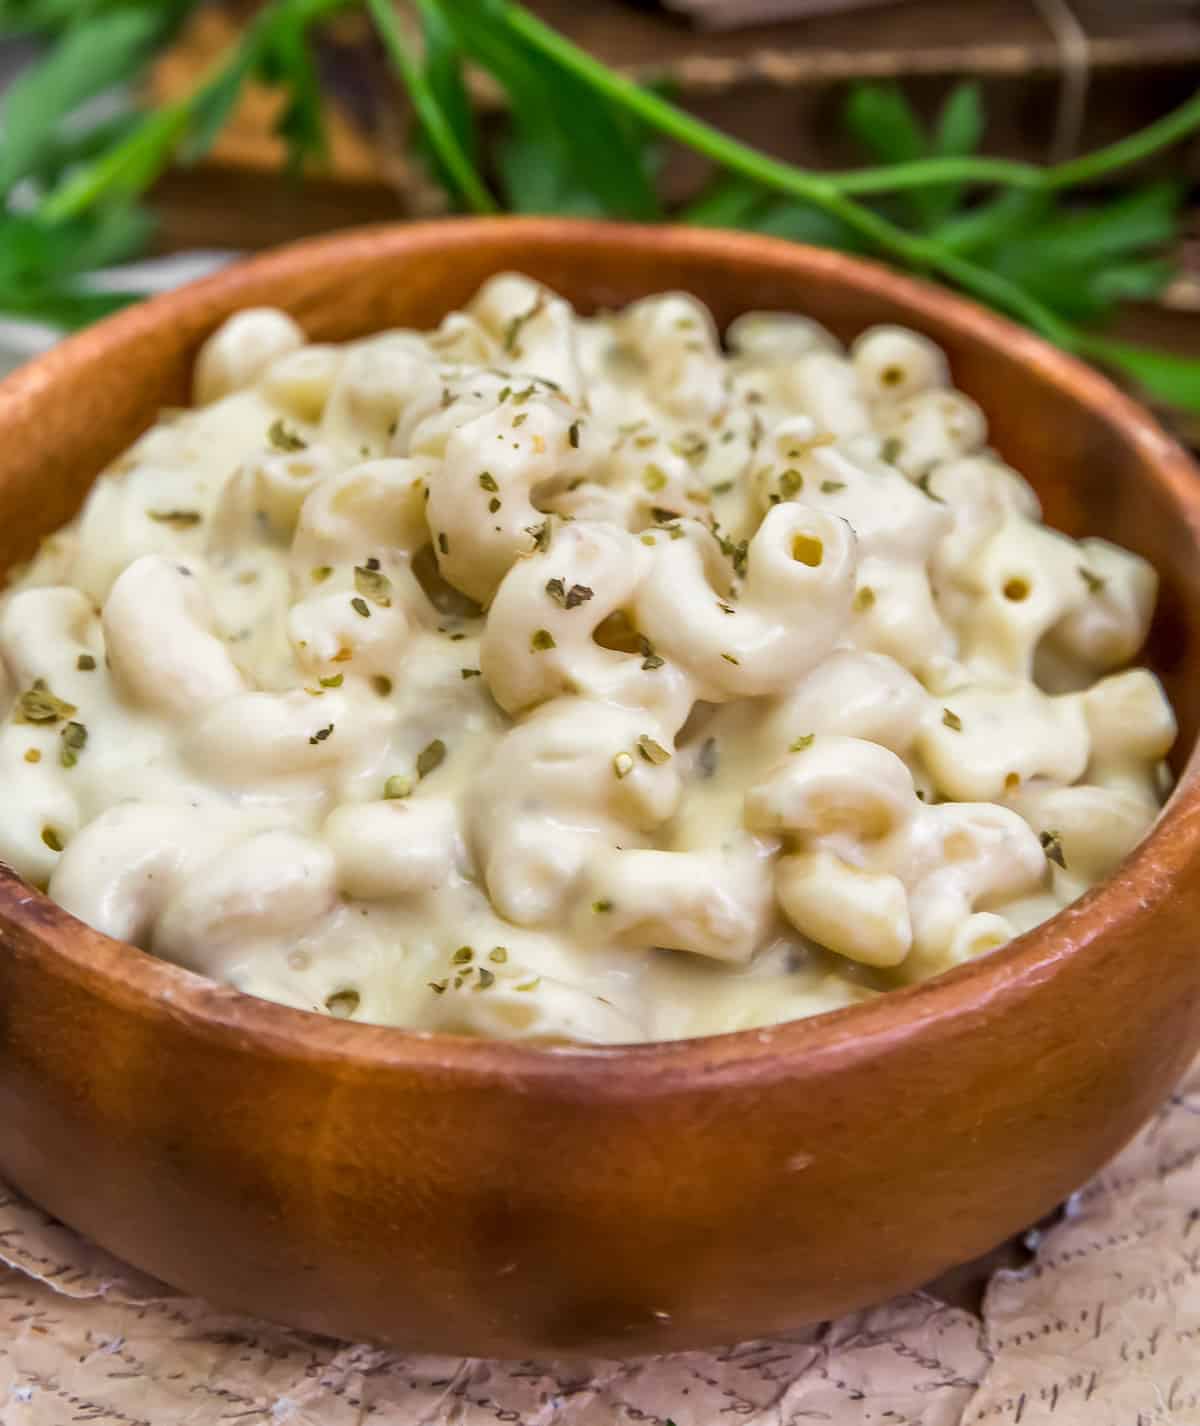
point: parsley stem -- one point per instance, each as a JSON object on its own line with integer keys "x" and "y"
{"x": 665, "y": 116}
{"x": 133, "y": 164}
{"x": 129, "y": 167}
{"x": 441, "y": 136}
{"x": 923, "y": 172}
{"x": 818, "y": 189}
{"x": 1132, "y": 149}
{"x": 921, "y": 252}
{"x": 804, "y": 183}
{"x": 1000, "y": 292}
{"x": 892, "y": 178}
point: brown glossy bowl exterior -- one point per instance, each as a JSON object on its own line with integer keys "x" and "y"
{"x": 446, "y": 1194}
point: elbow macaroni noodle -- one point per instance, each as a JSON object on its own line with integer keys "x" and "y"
{"x": 560, "y": 678}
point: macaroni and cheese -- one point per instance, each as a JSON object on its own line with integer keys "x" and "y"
{"x": 552, "y": 677}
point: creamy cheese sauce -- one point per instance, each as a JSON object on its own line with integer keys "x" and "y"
{"x": 560, "y": 678}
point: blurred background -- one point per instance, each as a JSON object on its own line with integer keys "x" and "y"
{"x": 294, "y": 119}
{"x": 1050, "y": 90}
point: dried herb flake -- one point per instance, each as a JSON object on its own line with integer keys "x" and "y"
{"x": 374, "y": 584}
{"x": 283, "y": 439}
{"x": 926, "y": 489}
{"x": 1052, "y": 846}
{"x": 74, "y": 740}
{"x": 431, "y": 757}
{"x": 39, "y": 705}
{"x": 653, "y": 752}
{"x": 514, "y": 326}
{"x": 177, "y": 519}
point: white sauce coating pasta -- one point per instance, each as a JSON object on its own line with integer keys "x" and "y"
{"x": 783, "y": 695}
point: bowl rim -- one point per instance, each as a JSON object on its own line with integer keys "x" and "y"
{"x": 146, "y": 985}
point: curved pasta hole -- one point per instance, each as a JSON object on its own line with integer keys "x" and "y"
{"x": 1055, "y": 672}
{"x": 343, "y": 1004}
{"x": 53, "y": 838}
{"x": 808, "y": 550}
{"x": 695, "y": 726}
{"x": 448, "y": 601}
{"x": 1017, "y": 588}
{"x": 618, "y": 633}
{"x": 989, "y": 939}
{"x": 695, "y": 737}
{"x": 1012, "y": 781}
{"x": 544, "y": 492}
{"x": 891, "y": 375}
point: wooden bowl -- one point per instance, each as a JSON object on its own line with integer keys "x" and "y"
{"x": 464, "y": 1196}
